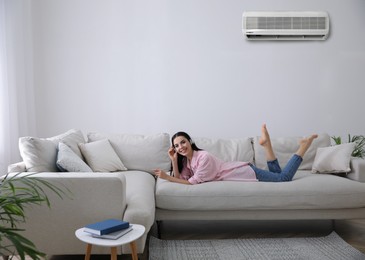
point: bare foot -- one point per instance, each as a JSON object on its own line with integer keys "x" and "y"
{"x": 265, "y": 137}
{"x": 266, "y": 143}
{"x": 304, "y": 144}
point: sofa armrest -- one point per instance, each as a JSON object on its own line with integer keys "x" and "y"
{"x": 357, "y": 169}
{"x": 89, "y": 197}
{"x": 17, "y": 167}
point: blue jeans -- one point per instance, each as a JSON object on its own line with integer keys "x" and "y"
{"x": 275, "y": 174}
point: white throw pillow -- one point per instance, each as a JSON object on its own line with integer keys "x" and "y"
{"x": 40, "y": 154}
{"x": 285, "y": 147}
{"x": 101, "y": 157}
{"x": 139, "y": 152}
{"x": 69, "y": 161}
{"x": 333, "y": 159}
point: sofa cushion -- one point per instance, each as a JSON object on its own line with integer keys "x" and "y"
{"x": 285, "y": 147}
{"x": 101, "y": 157}
{"x": 228, "y": 149}
{"x": 140, "y": 195}
{"x": 69, "y": 161}
{"x": 306, "y": 191}
{"x": 357, "y": 169}
{"x": 139, "y": 152}
{"x": 40, "y": 154}
{"x": 333, "y": 159}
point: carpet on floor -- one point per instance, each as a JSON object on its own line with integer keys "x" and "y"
{"x": 328, "y": 247}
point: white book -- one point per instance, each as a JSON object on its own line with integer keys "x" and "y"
{"x": 114, "y": 235}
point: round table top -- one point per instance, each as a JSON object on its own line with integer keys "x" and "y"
{"x": 136, "y": 232}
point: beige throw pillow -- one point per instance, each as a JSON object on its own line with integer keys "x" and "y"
{"x": 333, "y": 159}
{"x": 101, "y": 157}
{"x": 40, "y": 154}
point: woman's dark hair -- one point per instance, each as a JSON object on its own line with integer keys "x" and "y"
{"x": 180, "y": 158}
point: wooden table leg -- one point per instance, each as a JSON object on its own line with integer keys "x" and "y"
{"x": 113, "y": 255}
{"x": 133, "y": 246}
{"x": 88, "y": 251}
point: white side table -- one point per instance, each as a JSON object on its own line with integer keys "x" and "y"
{"x": 130, "y": 237}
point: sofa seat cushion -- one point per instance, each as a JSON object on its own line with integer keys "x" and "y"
{"x": 306, "y": 191}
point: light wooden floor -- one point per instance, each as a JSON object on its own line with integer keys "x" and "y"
{"x": 353, "y": 232}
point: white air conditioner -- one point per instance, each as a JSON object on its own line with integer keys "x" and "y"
{"x": 279, "y": 25}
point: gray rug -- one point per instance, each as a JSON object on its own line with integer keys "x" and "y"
{"x": 329, "y": 247}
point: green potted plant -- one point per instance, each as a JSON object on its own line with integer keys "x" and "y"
{"x": 359, "y": 140}
{"x": 16, "y": 193}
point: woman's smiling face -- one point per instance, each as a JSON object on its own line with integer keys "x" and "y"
{"x": 182, "y": 146}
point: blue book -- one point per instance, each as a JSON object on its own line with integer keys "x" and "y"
{"x": 106, "y": 226}
{"x": 116, "y": 234}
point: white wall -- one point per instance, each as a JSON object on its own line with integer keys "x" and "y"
{"x": 168, "y": 65}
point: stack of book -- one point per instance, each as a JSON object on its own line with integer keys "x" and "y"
{"x": 108, "y": 229}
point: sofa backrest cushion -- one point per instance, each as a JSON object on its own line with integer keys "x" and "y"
{"x": 285, "y": 147}
{"x": 228, "y": 149}
{"x": 138, "y": 152}
{"x": 40, "y": 154}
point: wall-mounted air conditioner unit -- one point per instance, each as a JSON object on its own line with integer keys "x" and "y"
{"x": 279, "y": 25}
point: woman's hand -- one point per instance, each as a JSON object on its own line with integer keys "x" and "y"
{"x": 161, "y": 174}
{"x": 172, "y": 154}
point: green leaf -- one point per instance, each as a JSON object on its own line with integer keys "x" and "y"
{"x": 337, "y": 139}
{"x": 16, "y": 193}
{"x": 22, "y": 245}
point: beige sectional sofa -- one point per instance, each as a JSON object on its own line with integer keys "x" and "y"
{"x": 124, "y": 186}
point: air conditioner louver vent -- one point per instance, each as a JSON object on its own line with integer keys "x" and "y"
{"x": 279, "y": 23}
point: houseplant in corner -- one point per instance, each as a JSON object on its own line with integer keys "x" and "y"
{"x": 17, "y": 192}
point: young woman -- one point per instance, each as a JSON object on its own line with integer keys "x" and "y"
{"x": 192, "y": 165}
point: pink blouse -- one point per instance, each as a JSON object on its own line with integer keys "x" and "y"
{"x": 205, "y": 167}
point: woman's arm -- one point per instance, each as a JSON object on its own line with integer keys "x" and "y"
{"x": 173, "y": 158}
{"x": 175, "y": 169}
{"x": 163, "y": 175}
